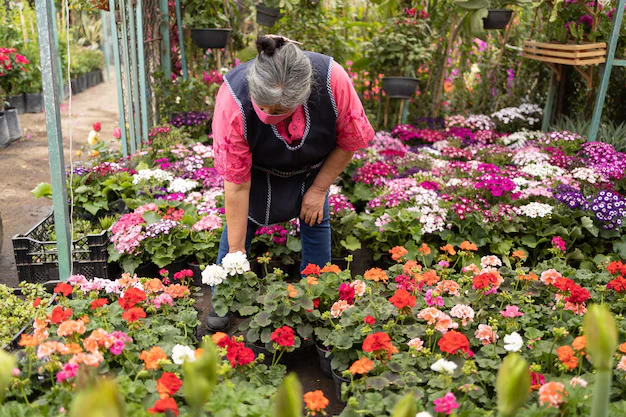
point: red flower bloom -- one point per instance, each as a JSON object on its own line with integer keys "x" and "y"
{"x": 134, "y": 314}
{"x": 283, "y": 336}
{"x": 162, "y": 405}
{"x": 564, "y": 284}
{"x": 36, "y": 302}
{"x": 403, "y": 299}
{"x": 168, "y": 384}
{"x": 316, "y": 302}
{"x": 379, "y": 343}
{"x": 311, "y": 269}
{"x": 618, "y": 284}
{"x": 452, "y": 342}
{"x": 369, "y": 320}
{"x": 185, "y": 273}
{"x": 99, "y": 303}
{"x": 238, "y": 354}
{"x": 131, "y": 297}
{"x": 616, "y": 267}
{"x": 63, "y": 288}
{"x": 60, "y": 314}
{"x": 578, "y": 295}
{"x": 346, "y": 293}
{"x": 485, "y": 280}
{"x": 97, "y": 126}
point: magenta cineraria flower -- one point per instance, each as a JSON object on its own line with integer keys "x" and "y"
{"x": 446, "y": 404}
{"x": 374, "y": 172}
{"x": 278, "y": 233}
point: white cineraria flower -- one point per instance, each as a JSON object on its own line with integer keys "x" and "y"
{"x": 588, "y": 174}
{"x": 442, "y": 144}
{"x": 513, "y": 342}
{"x": 213, "y": 275}
{"x": 236, "y": 263}
{"x": 203, "y": 151}
{"x": 443, "y": 366}
{"x": 530, "y": 155}
{"x": 535, "y": 210}
{"x": 181, "y": 185}
{"x": 334, "y": 189}
{"x": 521, "y": 183}
{"x": 431, "y": 151}
{"x": 182, "y": 353}
{"x": 543, "y": 170}
{"x": 152, "y": 174}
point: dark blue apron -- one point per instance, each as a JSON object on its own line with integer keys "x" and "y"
{"x": 281, "y": 173}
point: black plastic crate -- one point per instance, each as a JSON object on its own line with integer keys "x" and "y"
{"x": 36, "y": 256}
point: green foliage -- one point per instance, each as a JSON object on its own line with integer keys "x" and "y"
{"x": 199, "y": 14}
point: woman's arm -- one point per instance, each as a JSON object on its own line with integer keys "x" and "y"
{"x": 237, "y": 199}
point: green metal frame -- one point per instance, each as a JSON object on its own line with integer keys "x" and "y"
{"x": 106, "y": 44}
{"x": 143, "y": 94}
{"x": 132, "y": 75}
{"x": 50, "y": 69}
{"x": 56, "y": 55}
{"x": 118, "y": 74}
{"x": 608, "y": 68}
{"x": 166, "y": 59}
{"x": 181, "y": 41}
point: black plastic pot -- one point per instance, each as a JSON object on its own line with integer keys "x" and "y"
{"x": 197, "y": 274}
{"x": 34, "y": 103}
{"x": 13, "y": 123}
{"x": 339, "y": 380}
{"x": 266, "y": 16}
{"x": 66, "y": 90}
{"x": 93, "y": 79}
{"x": 19, "y": 102}
{"x": 497, "y": 19}
{"x": 75, "y": 87}
{"x": 400, "y": 87}
{"x": 322, "y": 351}
{"x": 99, "y": 77}
{"x": 288, "y": 358}
{"x": 340, "y": 262}
{"x": 83, "y": 82}
{"x": 147, "y": 270}
{"x": 210, "y": 38}
{"x": 5, "y": 138}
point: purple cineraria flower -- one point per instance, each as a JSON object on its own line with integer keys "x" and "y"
{"x": 162, "y": 227}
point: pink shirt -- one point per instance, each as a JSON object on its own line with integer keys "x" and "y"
{"x": 233, "y": 159}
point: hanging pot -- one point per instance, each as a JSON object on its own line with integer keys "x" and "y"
{"x": 210, "y": 38}
{"x": 4, "y": 132}
{"x": 82, "y": 82}
{"x": 400, "y": 87}
{"x": 100, "y": 4}
{"x": 34, "y": 103}
{"x": 266, "y": 16}
{"x": 497, "y": 19}
{"x": 13, "y": 123}
{"x": 19, "y": 102}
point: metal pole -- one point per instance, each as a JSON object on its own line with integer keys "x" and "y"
{"x": 118, "y": 75}
{"x": 129, "y": 89}
{"x": 134, "y": 74}
{"x": 143, "y": 96}
{"x": 55, "y": 33}
{"x": 105, "y": 44}
{"x": 548, "y": 110}
{"x": 166, "y": 60}
{"x": 50, "y": 77}
{"x": 181, "y": 42}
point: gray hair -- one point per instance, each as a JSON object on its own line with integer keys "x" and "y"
{"x": 280, "y": 76}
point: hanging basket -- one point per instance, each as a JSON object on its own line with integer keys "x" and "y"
{"x": 101, "y": 4}
{"x": 497, "y": 19}
{"x": 210, "y": 38}
{"x": 400, "y": 87}
{"x": 266, "y": 16}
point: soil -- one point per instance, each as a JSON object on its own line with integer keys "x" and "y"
{"x": 24, "y": 163}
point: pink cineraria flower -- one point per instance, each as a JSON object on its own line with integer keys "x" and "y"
{"x": 446, "y": 404}
{"x": 511, "y": 312}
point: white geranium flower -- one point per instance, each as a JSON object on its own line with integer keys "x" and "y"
{"x": 236, "y": 263}
{"x": 182, "y": 353}
{"x": 93, "y": 138}
{"x": 443, "y": 366}
{"x": 213, "y": 275}
{"x": 423, "y": 414}
{"x": 513, "y": 342}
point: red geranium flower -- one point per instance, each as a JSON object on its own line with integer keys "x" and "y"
{"x": 485, "y": 280}
{"x": 283, "y": 336}
{"x": 164, "y": 404}
{"x": 403, "y": 299}
{"x": 63, "y": 288}
{"x": 618, "y": 284}
{"x": 379, "y": 343}
{"x": 60, "y": 314}
{"x": 168, "y": 384}
{"x": 578, "y": 295}
{"x": 239, "y": 355}
{"x": 452, "y": 342}
{"x": 134, "y": 314}
{"x": 131, "y": 297}
{"x": 99, "y": 303}
{"x": 97, "y": 126}
{"x": 346, "y": 293}
{"x": 616, "y": 267}
{"x": 311, "y": 269}
{"x": 36, "y": 302}
{"x": 369, "y": 320}
{"x": 316, "y": 302}
{"x": 564, "y": 284}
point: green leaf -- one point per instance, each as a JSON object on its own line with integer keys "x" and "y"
{"x": 263, "y": 319}
{"x": 294, "y": 244}
{"x": 620, "y": 248}
{"x": 377, "y": 382}
{"x": 351, "y": 243}
{"x": 588, "y": 224}
{"x": 476, "y": 20}
{"x": 151, "y": 217}
{"x": 42, "y": 190}
{"x": 529, "y": 241}
{"x": 91, "y": 208}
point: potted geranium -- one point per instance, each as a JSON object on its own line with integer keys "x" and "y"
{"x": 13, "y": 69}
{"x": 281, "y": 245}
{"x": 209, "y": 23}
{"x": 489, "y": 14}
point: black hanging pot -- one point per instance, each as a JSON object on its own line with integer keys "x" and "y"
{"x": 210, "y": 38}
{"x": 400, "y": 87}
{"x": 34, "y": 103}
{"x": 13, "y": 123}
{"x": 497, "y": 19}
{"x": 19, "y": 102}
{"x": 266, "y": 16}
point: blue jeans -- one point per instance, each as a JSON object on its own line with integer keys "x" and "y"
{"x": 315, "y": 241}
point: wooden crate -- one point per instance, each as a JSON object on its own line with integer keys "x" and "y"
{"x": 576, "y": 55}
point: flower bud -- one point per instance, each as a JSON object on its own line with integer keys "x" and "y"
{"x": 7, "y": 363}
{"x": 289, "y": 398}
{"x": 405, "y": 407}
{"x": 200, "y": 376}
{"x": 100, "y": 400}
{"x": 512, "y": 384}
{"x": 601, "y": 333}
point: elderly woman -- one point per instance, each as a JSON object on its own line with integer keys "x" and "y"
{"x": 285, "y": 126}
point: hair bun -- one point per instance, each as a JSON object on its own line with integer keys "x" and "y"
{"x": 268, "y": 45}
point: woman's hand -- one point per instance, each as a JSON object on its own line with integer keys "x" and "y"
{"x": 312, "y": 211}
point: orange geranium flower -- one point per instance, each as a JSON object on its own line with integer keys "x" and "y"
{"x": 424, "y": 249}
{"x": 580, "y": 343}
{"x": 69, "y": 327}
{"x": 376, "y": 274}
{"x": 411, "y": 267}
{"x": 567, "y": 357}
{"x": 519, "y": 254}
{"x": 74, "y": 348}
{"x": 29, "y": 341}
{"x": 530, "y": 277}
{"x": 468, "y": 246}
{"x": 398, "y": 252}
{"x": 449, "y": 249}
{"x": 362, "y": 366}
{"x": 622, "y": 348}
{"x": 152, "y": 357}
{"x": 332, "y": 269}
{"x": 198, "y": 353}
{"x": 97, "y": 338}
{"x": 177, "y": 290}
{"x": 154, "y": 285}
{"x": 218, "y": 336}
{"x": 126, "y": 280}
{"x": 312, "y": 280}
{"x": 311, "y": 269}
{"x": 315, "y": 401}
{"x": 85, "y": 319}
{"x": 429, "y": 278}
{"x": 291, "y": 291}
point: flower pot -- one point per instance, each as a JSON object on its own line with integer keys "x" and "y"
{"x": 148, "y": 270}
{"x": 325, "y": 360}
{"x": 363, "y": 259}
{"x": 19, "y": 102}
{"x": 5, "y": 138}
{"x": 66, "y": 90}
{"x": 400, "y": 87}
{"x": 82, "y": 82}
{"x": 197, "y": 273}
{"x": 34, "y": 103}
{"x": 99, "y": 77}
{"x": 75, "y": 86}
{"x": 497, "y": 19}
{"x": 339, "y": 380}
{"x": 13, "y": 123}
{"x": 210, "y": 38}
{"x": 340, "y": 262}
{"x": 93, "y": 78}
{"x": 266, "y": 16}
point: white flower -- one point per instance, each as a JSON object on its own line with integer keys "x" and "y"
{"x": 147, "y": 174}
{"x": 93, "y": 138}
{"x": 576, "y": 381}
{"x": 535, "y": 210}
{"x": 334, "y": 189}
{"x": 490, "y": 260}
{"x": 181, "y": 353}
{"x": 181, "y": 185}
{"x": 423, "y": 414}
{"x": 543, "y": 170}
{"x": 213, "y": 275}
{"x": 236, "y": 263}
{"x": 513, "y": 342}
{"x": 443, "y": 366}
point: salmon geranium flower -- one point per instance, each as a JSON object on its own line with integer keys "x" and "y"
{"x": 552, "y": 394}
{"x": 334, "y": 269}
{"x": 376, "y": 275}
{"x": 424, "y": 249}
{"x": 361, "y": 366}
{"x": 398, "y": 252}
{"x": 467, "y": 246}
{"x": 69, "y": 327}
{"x": 315, "y": 401}
{"x": 152, "y": 357}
